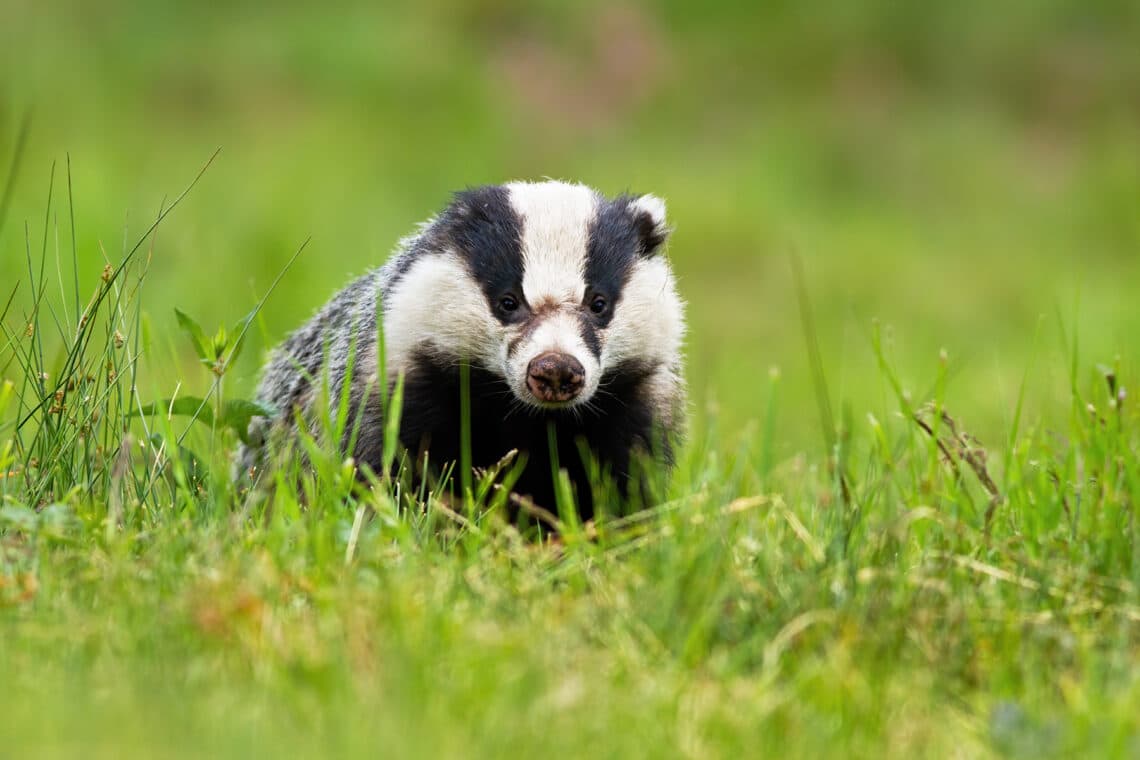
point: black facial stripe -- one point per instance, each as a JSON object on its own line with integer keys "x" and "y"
{"x": 588, "y": 329}
{"x": 483, "y": 227}
{"x": 614, "y": 247}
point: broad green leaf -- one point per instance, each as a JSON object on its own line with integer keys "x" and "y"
{"x": 236, "y": 413}
{"x": 194, "y": 330}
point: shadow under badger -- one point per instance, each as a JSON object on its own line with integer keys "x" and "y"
{"x": 561, "y": 303}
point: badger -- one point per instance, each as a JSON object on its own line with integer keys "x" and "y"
{"x": 554, "y": 305}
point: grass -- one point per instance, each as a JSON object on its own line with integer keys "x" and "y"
{"x": 905, "y": 519}
{"x": 892, "y": 596}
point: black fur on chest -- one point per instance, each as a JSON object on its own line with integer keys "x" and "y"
{"x": 618, "y": 423}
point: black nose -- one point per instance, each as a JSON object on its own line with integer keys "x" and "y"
{"x": 553, "y": 377}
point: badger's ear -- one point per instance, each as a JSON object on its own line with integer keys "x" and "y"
{"x": 652, "y": 229}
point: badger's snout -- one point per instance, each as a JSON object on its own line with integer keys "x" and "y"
{"x": 554, "y": 378}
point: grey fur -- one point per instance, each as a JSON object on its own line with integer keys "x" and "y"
{"x": 344, "y": 327}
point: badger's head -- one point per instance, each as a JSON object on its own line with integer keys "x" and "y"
{"x": 548, "y": 285}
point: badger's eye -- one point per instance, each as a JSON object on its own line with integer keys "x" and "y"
{"x": 508, "y": 303}
{"x": 598, "y": 305}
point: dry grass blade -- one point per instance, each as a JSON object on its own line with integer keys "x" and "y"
{"x": 527, "y": 505}
{"x": 958, "y": 446}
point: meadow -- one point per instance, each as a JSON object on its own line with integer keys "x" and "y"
{"x": 904, "y": 522}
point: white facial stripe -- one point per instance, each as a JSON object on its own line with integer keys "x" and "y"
{"x": 558, "y": 332}
{"x": 648, "y": 323}
{"x": 437, "y": 302}
{"x": 556, "y": 229}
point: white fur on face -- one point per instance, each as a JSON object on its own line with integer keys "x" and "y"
{"x": 556, "y": 235}
{"x": 649, "y": 321}
{"x": 437, "y": 304}
{"x": 556, "y": 220}
{"x": 558, "y": 332}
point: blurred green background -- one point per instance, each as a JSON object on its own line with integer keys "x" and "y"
{"x": 966, "y": 173}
